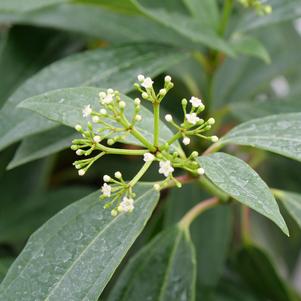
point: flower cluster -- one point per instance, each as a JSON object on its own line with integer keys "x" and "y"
{"x": 258, "y": 5}
{"x": 111, "y": 123}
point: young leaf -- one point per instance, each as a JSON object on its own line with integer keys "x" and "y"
{"x": 69, "y": 111}
{"x": 101, "y": 67}
{"x": 163, "y": 270}
{"x": 292, "y": 202}
{"x": 260, "y": 274}
{"x": 241, "y": 182}
{"x": 74, "y": 255}
{"x": 279, "y": 134}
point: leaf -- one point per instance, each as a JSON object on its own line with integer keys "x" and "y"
{"x": 241, "y": 182}
{"x": 116, "y": 67}
{"x": 259, "y": 273}
{"x": 245, "y": 111}
{"x": 42, "y": 145}
{"x": 163, "y": 270}
{"x": 173, "y": 14}
{"x": 279, "y": 134}
{"x": 211, "y": 229}
{"x": 73, "y": 256}
{"x": 15, "y": 5}
{"x": 5, "y": 262}
{"x": 292, "y": 202}
{"x": 282, "y": 11}
{"x": 19, "y": 220}
{"x": 250, "y": 46}
{"x": 65, "y": 107}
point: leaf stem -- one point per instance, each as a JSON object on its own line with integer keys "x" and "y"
{"x": 140, "y": 174}
{"x": 195, "y": 211}
{"x": 245, "y": 224}
{"x": 156, "y": 106}
{"x": 212, "y": 189}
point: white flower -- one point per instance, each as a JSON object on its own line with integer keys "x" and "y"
{"x": 214, "y": 138}
{"x": 78, "y": 127}
{"x": 87, "y": 111}
{"x": 118, "y": 175}
{"x": 147, "y": 83}
{"x": 167, "y": 79}
{"x": 157, "y": 187}
{"x": 110, "y": 91}
{"x": 114, "y": 212}
{"x": 192, "y": 118}
{"x": 107, "y": 99}
{"x": 165, "y": 168}
{"x": 211, "y": 121}
{"x": 127, "y": 205}
{"x": 81, "y": 172}
{"x": 186, "y": 140}
{"x": 106, "y": 178}
{"x": 102, "y": 95}
{"x": 148, "y": 157}
{"x": 103, "y": 112}
{"x": 196, "y": 102}
{"x": 106, "y": 190}
{"x": 141, "y": 77}
{"x": 95, "y": 119}
{"x": 137, "y": 101}
{"x": 79, "y": 152}
{"x": 144, "y": 95}
{"x": 168, "y": 118}
{"x": 96, "y": 139}
{"x": 162, "y": 92}
{"x": 138, "y": 117}
{"x": 201, "y": 171}
{"x": 122, "y": 105}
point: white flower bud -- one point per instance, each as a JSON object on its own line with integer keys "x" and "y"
{"x": 122, "y": 105}
{"x": 168, "y": 118}
{"x": 167, "y": 79}
{"x": 110, "y": 91}
{"x": 78, "y": 127}
{"x": 87, "y": 110}
{"x": 110, "y": 141}
{"x": 77, "y": 166}
{"x": 81, "y": 172}
{"x": 144, "y": 95}
{"x": 79, "y": 152}
{"x": 201, "y": 171}
{"x": 157, "y": 187}
{"x": 211, "y": 121}
{"x": 138, "y": 117}
{"x": 214, "y": 138}
{"x": 106, "y": 178}
{"x": 102, "y": 94}
{"x": 163, "y": 92}
{"x": 103, "y": 112}
{"x": 141, "y": 77}
{"x": 194, "y": 154}
{"x": 95, "y": 119}
{"x": 114, "y": 212}
{"x": 118, "y": 175}
{"x": 137, "y": 101}
{"x": 186, "y": 140}
{"x": 97, "y": 139}
{"x": 148, "y": 157}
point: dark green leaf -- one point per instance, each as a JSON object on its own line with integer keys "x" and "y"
{"x": 65, "y": 107}
{"x": 116, "y": 67}
{"x": 73, "y": 256}
{"x": 259, "y": 274}
{"x": 279, "y": 134}
{"x": 163, "y": 270}
{"x": 5, "y": 262}
{"x": 241, "y": 182}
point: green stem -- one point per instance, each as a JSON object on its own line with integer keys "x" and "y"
{"x": 212, "y": 149}
{"x": 174, "y": 138}
{"x": 141, "y": 172}
{"x": 212, "y": 189}
{"x": 143, "y": 140}
{"x": 120, "y": 151}
{"x": 156, "y": 107}
{"x": 228, "y": 4}
{"x": 190, "y": 216}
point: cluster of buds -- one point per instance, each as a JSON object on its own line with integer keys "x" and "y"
{"x": 258, "y": 5}
{"x": 109, "y": 124}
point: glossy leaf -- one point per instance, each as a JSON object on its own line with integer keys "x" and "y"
{"x": 42, "y": 145}
{"x": 292, "y": 202}
{"x": 73, "y": 256}
{"x": 163, "y": 270}
{"x": 279, "y": 134}
{"x": 260, "y": 274}
{"x": 65, "y": 107}
{"x": 116, "y": 67}
{"x": 242, "y": 183}
{"x": 174, "y": 15}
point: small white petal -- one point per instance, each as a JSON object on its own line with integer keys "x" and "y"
{"x": 148, "y": 157}
{"x": 196, "y": 102}
{"x": 211, "y": 121}
{"x": 118, "y": 175}
{"x": 147, "y": 83}
{"x": 87, "y": 111}
{"x": 110, "y": 91}
{"x": 106, "y": 178}
{"x": 96, "y": 139}
{"x": 157, "y": 187}
{"x": 95, "y": 119}
{"x": 186, "y": 140}
{"x": 103, "y": 111}
{"x": 192, "y": 118}
{"x": 138, "y": 117}
{"x": 167, "y": 79}
{"x": 141, "y": 77}
{"x": 165, "y": 168}
{"x": 81, "y": 172}
{"x": 78, "y": 127}
{"x": 214, "y": 138}
{"x": 122, "y": 105}
{"x": 137, "y": 101}
{"x": 168, "y": 118}
{"x": 102, "y": 95}
{"x": 201, "y": 171}
{"x": 106, "y": 190}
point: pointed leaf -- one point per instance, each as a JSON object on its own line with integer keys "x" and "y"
{"x": 65, "y": 106}
{"x": 73, "y": 256}
{"x": 292, "y": 202}
{"x": 116, "y": 67}
{"x": 279, "y": 134}
{"x": 241, "y": 182}
{"x": 163, "y": 270}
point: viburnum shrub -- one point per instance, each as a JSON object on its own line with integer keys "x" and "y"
{"x": 183, "y": 178}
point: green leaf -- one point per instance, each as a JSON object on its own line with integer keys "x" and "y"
{"x": 283, "y": 10}
{"x": 206, "y": 11}
{"x": 19, "y": 220}
{"x": 245, "y": 111}
{"x": 279, "y": 134}
{"x": 5, "y": 262}
{"x": 211, "y": 229}
{"x": 242, "y": 183}
{"x": 65, "y": 107}
{"x": 163, "y": 270}
{"x": 116, "y": 67}
{"x": 15, "y": 5}
{"x": 74, "y": 255}
{"x": 42, "y": 145}
{"x": 174, "y": 15}
{"x": 260, "y": 274}
{"x": 250, "y": 46}
{"x": 292, "y": 202}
